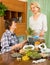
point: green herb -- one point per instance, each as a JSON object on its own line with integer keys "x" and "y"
{"x": 3, "y": 8}
{"x": 28, "y": 48}
{"x": 33, "y": 54}
{"x": 42, "y": 46}
{"x": 30, "y": 31}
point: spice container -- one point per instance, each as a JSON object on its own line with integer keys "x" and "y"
{"x": 18, "y": 58}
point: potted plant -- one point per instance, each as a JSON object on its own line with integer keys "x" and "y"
{"x": 3, "y": 8}
{"x": 29, "y": 32}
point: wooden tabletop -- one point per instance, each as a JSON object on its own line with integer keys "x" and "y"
{"x": 6, "y": 59}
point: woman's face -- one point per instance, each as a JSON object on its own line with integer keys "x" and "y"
{"x": 13, "y": 26}
{"x": 34, "y": 9}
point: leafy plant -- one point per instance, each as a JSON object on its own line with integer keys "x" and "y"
{"x": 30, "y": 31}
{"x": 33, "y": 54}
{"x": 42, "y": 46}
{"x": 3, "y": 8}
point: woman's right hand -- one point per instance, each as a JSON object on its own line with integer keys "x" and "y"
{"x": 20, "y": 45}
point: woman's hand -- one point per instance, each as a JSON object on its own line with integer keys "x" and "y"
{"x": 41, "y": 34}
{"x": 20, "y": 45}
{"x": 23, "y": 43}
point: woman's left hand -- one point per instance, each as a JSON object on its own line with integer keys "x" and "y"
{"x": 41, "y": 34}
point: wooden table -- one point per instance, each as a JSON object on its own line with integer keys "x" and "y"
{"x": 6, "y": 59}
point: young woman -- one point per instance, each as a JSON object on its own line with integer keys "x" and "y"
{"x": 38, "y": 21}
{"x": 9, "y": 40}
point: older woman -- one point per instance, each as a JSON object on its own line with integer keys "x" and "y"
{"x": 9, "y": 40}
{"x": 38, "y": 21}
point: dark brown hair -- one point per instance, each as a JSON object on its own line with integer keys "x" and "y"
{"x": 8, "y": 23}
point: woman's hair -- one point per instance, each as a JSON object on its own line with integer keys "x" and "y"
{"x": 36, "y": 4}
{"x": 8, "y": 23}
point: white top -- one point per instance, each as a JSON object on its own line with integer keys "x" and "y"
{"x": 39, "y": 24}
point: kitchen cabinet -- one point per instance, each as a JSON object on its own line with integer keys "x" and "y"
{"x": 16, "y": 9}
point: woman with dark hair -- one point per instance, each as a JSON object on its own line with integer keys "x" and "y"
{"x": 9, "y": 40}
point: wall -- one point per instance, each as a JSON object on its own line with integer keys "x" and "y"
{"x": 14, "y": 8}
{"x": 23, "y": 0}
{"x": 46, "y": 10}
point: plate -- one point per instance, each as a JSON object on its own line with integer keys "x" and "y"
{"x": 28, "y": 47}
{"x": 15, "y": 55}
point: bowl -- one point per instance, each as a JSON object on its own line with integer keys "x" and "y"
{"x": 28, "y": 47}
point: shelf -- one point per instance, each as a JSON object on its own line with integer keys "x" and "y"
{"x": 13, "y": 14}
{"x": 16, "y": 9}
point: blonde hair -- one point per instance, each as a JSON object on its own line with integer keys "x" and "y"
{"x": 36, "y": 4}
